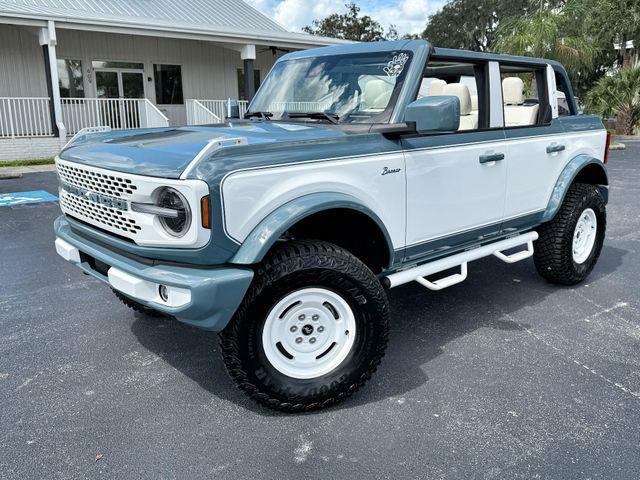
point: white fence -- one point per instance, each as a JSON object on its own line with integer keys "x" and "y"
{"x": 297, "y": 107}
{"x": 198, "y": 114}
{"x": 31, "y": 116}
{"x": 203, "y": 112}
{"x": 25, "y": 117}
{"x": 117, "y": 113}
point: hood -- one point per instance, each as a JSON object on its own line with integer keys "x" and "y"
{"x": 167, "y": 152}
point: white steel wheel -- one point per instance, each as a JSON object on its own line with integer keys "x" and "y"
{"x": 309, "y": 333}
{"x": 584, "y": 235}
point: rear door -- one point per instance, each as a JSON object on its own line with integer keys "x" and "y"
{"x": 537, "y": 150}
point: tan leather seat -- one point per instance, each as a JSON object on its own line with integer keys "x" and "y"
{"x": 474, "y": 103}
{"x": 436, "y": 87}
{"x": 375, "y": 95}
{"x": 515, "y": 112}
{"x": 468, "y": 119}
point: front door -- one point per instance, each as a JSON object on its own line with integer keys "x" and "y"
{"x": 121, "y": 91}
{"x": 456, "y": 186}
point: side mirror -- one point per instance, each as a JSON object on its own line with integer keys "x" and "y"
{"x": 434, "y": 114}
{"x": 233, "y": 108}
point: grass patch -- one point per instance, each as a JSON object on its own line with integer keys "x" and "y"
{"x": 26, "y": 163}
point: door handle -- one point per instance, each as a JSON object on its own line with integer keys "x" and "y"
{"x": 554, "y": 148}
{"x": 491, "y": 157}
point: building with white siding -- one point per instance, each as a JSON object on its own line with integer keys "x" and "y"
{"x": 70, "y": 64}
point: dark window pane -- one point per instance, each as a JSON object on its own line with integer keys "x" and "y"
{"x": 132, "y": 85}
{"x": 70, "y": 78}
{"x": 256, "y": 81}
{"x": 107, "y": 85}
{"x": 168, "y": 80}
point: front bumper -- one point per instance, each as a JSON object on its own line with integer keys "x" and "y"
{"x": 203, "y": 297}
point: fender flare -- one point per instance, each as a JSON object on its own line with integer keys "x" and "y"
{"x": 256, "y": 245}
{"x": 566, "y": 178}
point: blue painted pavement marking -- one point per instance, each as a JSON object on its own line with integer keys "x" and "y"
{"x": 23, "y": 198}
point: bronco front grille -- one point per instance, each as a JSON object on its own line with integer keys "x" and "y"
{"x": 100, "y": 198}
{"x": 103, "y": 199}
{"x": 97, "y": 214}
{"x": 112, "y": 185}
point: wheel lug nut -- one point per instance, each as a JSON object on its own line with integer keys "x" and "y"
{"x": 301, "y": 316}
{"x": 321, "y": 329}
{"x": 315, "y": 317}
{"x": 293, "y": 328}
{"x": 299, "y": 340}
{"x": 312, "y": 340}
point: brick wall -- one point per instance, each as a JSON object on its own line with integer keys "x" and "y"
{"x": 28, "y": 148}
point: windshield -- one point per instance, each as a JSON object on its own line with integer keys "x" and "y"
{"x": 354, "y": 88}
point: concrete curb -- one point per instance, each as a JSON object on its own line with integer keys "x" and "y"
{"x": 17, "y": 172}
{"x": 7, "y": 176}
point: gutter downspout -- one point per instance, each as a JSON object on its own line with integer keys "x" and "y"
{"x": 48, "y": 41}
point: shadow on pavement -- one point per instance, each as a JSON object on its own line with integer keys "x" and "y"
{"x": 422, "y": 323}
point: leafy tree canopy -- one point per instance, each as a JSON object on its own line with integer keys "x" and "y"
{"x": 613, "y": 21}
{"x": 471, "y": 24}
{"x": 351, "y": 26}
{"x": 546, "y": 34}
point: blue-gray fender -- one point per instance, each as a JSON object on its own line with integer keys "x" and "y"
{"x": 568, "y": 175}
{"x": 265, "y": 234}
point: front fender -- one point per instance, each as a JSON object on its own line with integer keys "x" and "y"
{"x": 265, "y": 234}
{"x": 566, "y": 178}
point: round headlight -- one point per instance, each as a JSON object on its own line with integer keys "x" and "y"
{"x": 178, "y": 223}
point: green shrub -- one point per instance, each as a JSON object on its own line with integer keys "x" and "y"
{"x": 618, "y": 95}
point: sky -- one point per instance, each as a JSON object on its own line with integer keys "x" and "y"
{"x": 408, "y": 16}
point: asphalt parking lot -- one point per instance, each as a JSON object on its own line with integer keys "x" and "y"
{"x": 503, "y": 376}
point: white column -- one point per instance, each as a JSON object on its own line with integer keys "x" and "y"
{"x": 48, "y": 39}
{"x": 248, "y": 52}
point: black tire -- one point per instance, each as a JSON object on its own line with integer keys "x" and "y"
{"x": 138, "y": 307}
{"x": 553, "y": 251}
{"x": 294, "y": 266}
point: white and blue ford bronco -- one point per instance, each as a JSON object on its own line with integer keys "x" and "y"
{"x": 356, "y": 169}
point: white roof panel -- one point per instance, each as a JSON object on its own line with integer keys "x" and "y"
{"x": 191, "y": 14}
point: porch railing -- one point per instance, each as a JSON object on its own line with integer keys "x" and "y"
{"x": 198, "y": 114}
{"x": 299, "y": 106}
{"x": 117, "y": 113}
{"x": 202, "y": 112}
{"x": 25, "y": 117}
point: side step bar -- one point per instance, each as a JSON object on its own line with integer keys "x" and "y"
{"x": 418, "y": 273}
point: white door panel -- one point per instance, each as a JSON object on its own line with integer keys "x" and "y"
{"x": 250, "y": 195}
{"x": 532, "y": 172}
{"x": 450, "y": 191}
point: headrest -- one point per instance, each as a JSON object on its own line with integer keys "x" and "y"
{"x": 436, "y": 87}
{"x": 513, "y": 91}
{"x": 474, "y": 103}
{"x": 462, "y": 92}
{"x": 376, "y": 94}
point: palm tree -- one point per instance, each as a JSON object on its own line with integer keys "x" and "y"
{"x": 543, "y": 34}
{"x": 618, "y": 95}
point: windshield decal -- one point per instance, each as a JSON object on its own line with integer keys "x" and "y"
{"x": 396, "y": 65}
